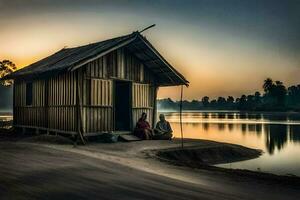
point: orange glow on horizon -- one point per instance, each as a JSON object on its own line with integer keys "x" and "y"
{"x": 215, "y": 63}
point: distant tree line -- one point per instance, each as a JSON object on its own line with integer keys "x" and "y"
{"x": 276, "y": 97}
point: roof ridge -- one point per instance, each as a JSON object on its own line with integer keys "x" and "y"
{"x": 70, "y": 59}
{"x": 93, "y": 43}
{"x": 72, "y": 51}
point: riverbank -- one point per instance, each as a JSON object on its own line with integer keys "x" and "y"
{"x": 122, "y": 170}
{"x": 207, "y": 157}
{"x": 218, "y": 153}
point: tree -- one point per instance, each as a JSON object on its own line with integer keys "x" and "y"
{"x": 257, "y": 96}
{"x": 6, "y": 67}
{"x": 194, "y": 104}
{"x": 250, "y": 98}
{"x": 268, "y": 84}
{"x": 230, "y": 99}
{"x": 213, "y": 103}
{"x": 230, "y": 102}
{"x": 242, "y": 102}
{"x": 293, "y": 94}
{"x": 257, "y": 99}
{"x": 221, "y": 102}
{"x": 279, "y": 92}
{"x": 250, "y": 102}
{"x": 275, "y": 92}
{"x": 205, "y": 101}
{"x": 166, "y": 104}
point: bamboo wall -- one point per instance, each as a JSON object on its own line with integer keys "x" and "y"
{"x": 118, "y": 65}
{"x": 32, "y": 115}
{"x": 142, "y": 101}
{"x": 98, "y": 109}
{"x": 55, "y": 104}
{"x": 62, "y": 112}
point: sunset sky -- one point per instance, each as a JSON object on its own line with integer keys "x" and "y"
{"x": 222, "y": 47}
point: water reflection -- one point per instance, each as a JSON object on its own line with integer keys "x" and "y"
{"x": 267, "y": 131}
{"x": 294, "y": 133}
{"x": 206, "y": 126}
{"x": 221, "y": 126}
{"x": 276, "y": 137}
{"x": 244, "y": 128}
{"x": 277, "y": 134}
{"x": 230, "y": 127}
{"x": 206, "y": 115}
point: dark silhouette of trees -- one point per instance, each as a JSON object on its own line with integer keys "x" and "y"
{"x": 275, "y": 97}
{"x": 213, "y": 103}
{"x": 230, "y": 99}
{"x": 221, "y": 102}
{"x": 242, "y": 102}
{"x": 279, "y": 92}
{"x": 268, "y": 84}
{"x": 168, "y": 104}
{"x": 230, "y": 102}
{"x": 257, "y": 98}
{"x": 205, "y": 101}
{"x": 275, "y": 92}
{"x": 6, "y": 67}
{"x": 293, "y": 96}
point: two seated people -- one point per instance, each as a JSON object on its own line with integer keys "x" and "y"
{"x": 162, "y": 130}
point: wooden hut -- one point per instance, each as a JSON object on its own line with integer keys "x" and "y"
{"x": 92, "y": 89}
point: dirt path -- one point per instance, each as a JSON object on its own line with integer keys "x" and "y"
{"x": 118, "y": 171}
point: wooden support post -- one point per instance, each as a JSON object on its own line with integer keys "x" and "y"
{"x": 181, "y": 130}
{"x": 79, "y": 110}
{"x": 154, "y": 116}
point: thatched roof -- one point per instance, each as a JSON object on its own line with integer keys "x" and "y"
{"x": 72, "y": 58}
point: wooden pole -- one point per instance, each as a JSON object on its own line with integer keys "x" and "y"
{"x": 154, "y": 116}
{"x": 181, "y": 130}
{"x": 147, "y": 28}
{"x": 79, "y": 110}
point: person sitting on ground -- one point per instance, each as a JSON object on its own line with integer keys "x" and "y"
{"x": 163, "y": 130}
{"x": 142, "y": 129}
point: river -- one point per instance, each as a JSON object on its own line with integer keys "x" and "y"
{"x": 277, "y": 134}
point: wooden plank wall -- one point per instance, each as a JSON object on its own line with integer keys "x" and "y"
{"x": 29, "y": 115}
{"x": 119, "y": 64}
{"x": 62, "y": 102}
{"x": 142, "y": 101}
{"x": 96, "y": 93}
{"x": 99, "y": 76}
{"x": 97, "y": 99}
{"x": 97, "y": 68}
{"x": 20, "y": 97}
{"x": 98, "y": 115}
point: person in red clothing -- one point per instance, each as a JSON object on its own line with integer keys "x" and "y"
{"x": 142, "y": 128}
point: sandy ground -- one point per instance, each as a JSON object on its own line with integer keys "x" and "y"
{"x": 120, "y": 171}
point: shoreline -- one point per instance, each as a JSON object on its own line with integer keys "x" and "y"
{"x": 267, "y": 176}
{"x": 157, "y": 153}
{"x": 232, "y": 111}
{"x": 210, "y": 165}
{"x": 119, "y": 165}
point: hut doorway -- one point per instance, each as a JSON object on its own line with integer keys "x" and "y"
{"x": 122, "y": 98}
